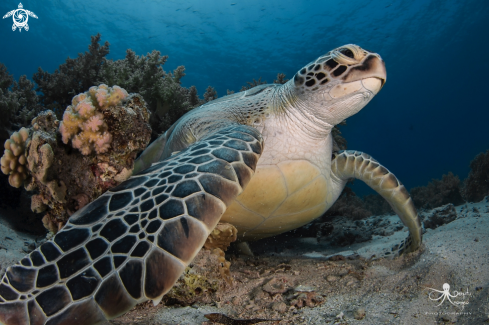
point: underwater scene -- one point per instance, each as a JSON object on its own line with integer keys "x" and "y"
{"x": 244, "y": 162}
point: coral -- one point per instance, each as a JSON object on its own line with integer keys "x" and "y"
{"x": 51, "y": 224}
{"x": 199, "y": 282}
{"x": 18, "y": 102}
{"x": 193, "y": 97}
{"x": 476, "y": 185}
{"x": 345, "y": 232}
{"x": 72, "y": 77}
{"x": 14, "y": 160}
{"x": 208, "y": 272}
{"x": 218, "y": 241}
{"x": 77, "y": 202}
{"x": 440, "y": 216}
{"x": 162, "y": 91}
{"x": 83, "y": 121}
{"x": 37, "y": 204}
{"x": 221, "y": 236}
{"x": 64, "y": 179}
{"x": 223, "y": 265}
{"x": 438, "y": 193}
{"x": 253, "y": 83}
{"x": 280, "y": 79}
{"x": 210, "y": 94}
{"x": 6, "y": 79}
{"x": 40, "y": 156}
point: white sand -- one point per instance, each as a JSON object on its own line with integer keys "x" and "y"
{"x": 456, "y": 253}
{"x": 393, "y": 292}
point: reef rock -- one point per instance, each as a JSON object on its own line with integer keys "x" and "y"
{"x": 440, "y": 216}
{"x": 66, "y": 179}
{"x": 84, "y": 123}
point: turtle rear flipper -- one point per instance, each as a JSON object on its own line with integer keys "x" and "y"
{"x": 133, "y": 242}
{"x": 355, "y": 164}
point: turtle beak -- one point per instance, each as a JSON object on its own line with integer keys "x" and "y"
{"x": 373, "y": 84}
{"x": 371, "y": 71}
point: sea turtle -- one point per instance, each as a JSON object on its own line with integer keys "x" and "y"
{"x": 261, "y": 159}
{"x": 20, "y": 17}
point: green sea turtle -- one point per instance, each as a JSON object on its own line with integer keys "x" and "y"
{"x": 261, "y": 159}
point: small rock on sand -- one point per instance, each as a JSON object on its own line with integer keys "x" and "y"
{"x": 275, "y": 285}
{"x": 332, "y": 278}
{"x": 359, "y": 313}
{"x": 279, "y": 306}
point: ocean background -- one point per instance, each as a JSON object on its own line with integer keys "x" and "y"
{"x": 431, "y": 117}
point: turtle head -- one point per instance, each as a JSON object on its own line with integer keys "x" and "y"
{"x": 340, "y": 83}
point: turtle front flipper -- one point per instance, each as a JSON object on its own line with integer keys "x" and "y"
{"x": 355, "y": 164}
{"x": 153, "y": 153}
{"x": 133, "y": 242}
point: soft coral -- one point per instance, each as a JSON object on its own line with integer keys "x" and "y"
{"x": 83, "y": 122}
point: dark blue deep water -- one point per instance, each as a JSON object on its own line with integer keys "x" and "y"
{"x": 431, "y": 117}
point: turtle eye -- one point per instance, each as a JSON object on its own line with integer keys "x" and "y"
{"x": 347, "y": 52}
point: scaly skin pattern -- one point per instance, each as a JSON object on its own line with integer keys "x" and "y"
{"x": 355, "y": 164}
{"x": 132, "y": 243}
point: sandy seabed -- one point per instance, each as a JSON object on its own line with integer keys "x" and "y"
{"x": 302, "y": 284}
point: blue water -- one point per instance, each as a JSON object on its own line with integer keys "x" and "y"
{"x": 431, "y": 117}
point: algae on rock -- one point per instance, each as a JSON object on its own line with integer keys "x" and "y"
{"x": 209, "y": 271}
{"x": 65, "y": 179}
{"x": 200, "y": 282}
{"x": 438, "y": 192}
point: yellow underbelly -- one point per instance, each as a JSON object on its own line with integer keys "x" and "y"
{"x": 279, "y": 198}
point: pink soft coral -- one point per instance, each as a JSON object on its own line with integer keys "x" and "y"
{"x": 117, "y": 95}
{"x": 102, "y": 96}
{"x": 80, "y": 142}
{"x": 83, "y": 122}
{"x": 65, "y": 135}
{"x": 70, "y": 124}
{"x": 102, "y": 144}
{"x": 78, "y": 98}
{"x": 85, "y": 108}
{"x": 94, "y": 123}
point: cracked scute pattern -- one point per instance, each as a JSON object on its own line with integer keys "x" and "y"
{"x": 349, "y": 163}
{"x": 127, "y": 247}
